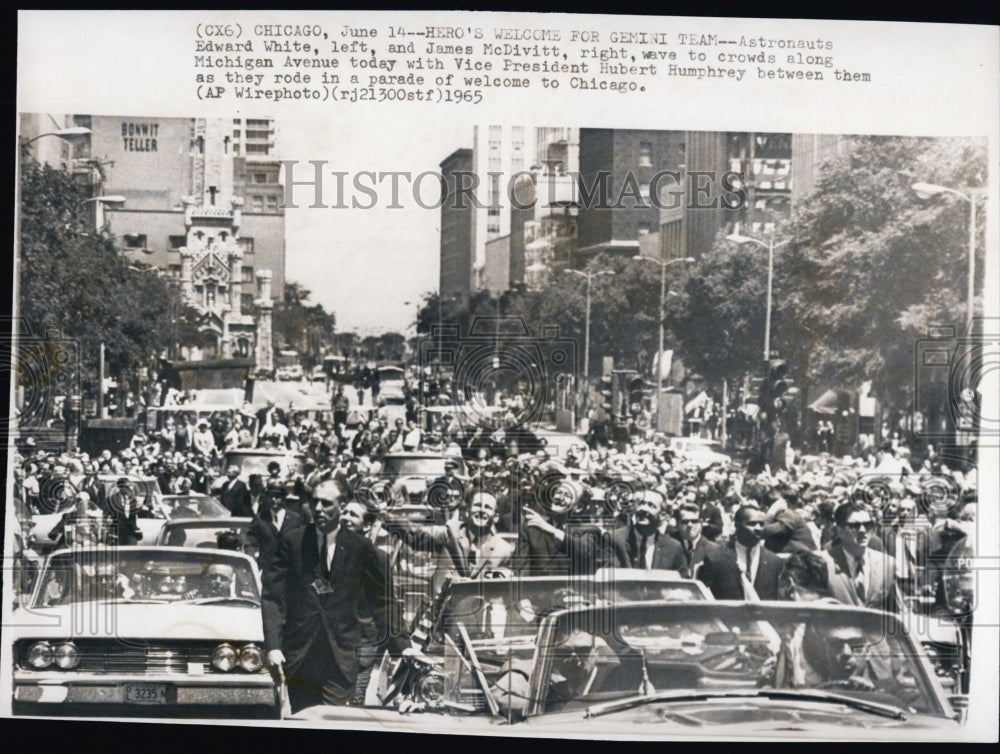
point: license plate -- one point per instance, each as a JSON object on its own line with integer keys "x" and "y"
{"x": 145, "y": 693}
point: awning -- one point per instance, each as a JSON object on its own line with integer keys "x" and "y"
{"x": 697, "y": 402}
{"x": 826, "y": 403}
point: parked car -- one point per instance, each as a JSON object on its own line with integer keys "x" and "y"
{"x": 256, "y": 460}
{"x": 194, "y": 505}
{"x": 409, "y": 474}
{"x": 748, "y": 669}
{"x": 391, "y": 384}
{"x": 291, "y": 372}
{"x": 143, "y": 632}
{"x": 700, "y": 451}
{"x": 204, "y": 532}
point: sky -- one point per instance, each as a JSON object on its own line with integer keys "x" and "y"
{"x": 366, "y": 264}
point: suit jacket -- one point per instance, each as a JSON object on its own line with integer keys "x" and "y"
{"x": 720, "y": 571}
{"x": 788, "y": 533}
{"x": 880, "y": 589}
{"x": 452, "y": 553}
{"x": 297, "y": 615}
{"x": 704, "y": 548}
{"x": 262, "y": 529}
{"x": 583, "y": 550}
{"x": 236, "y": 496}
{"x": 667, "y": 551}
{"x": 123, "y": 517}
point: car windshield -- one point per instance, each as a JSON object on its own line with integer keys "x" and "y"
{"x": 203, "y": 533}
{"x": 432, "y": 467}
{"x": 502, "y": 609}
{"x": 147, "y": 490}
{"x": 194, "y": 506}
{"x": 654, "y": 652}
{"x": 257, "y": 463}
{"x": 145, "y": 575}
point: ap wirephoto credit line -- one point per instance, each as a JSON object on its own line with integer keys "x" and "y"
{"x": 506, "y": 374}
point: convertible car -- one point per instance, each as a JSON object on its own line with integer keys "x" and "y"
{"x": 143, "y": 632}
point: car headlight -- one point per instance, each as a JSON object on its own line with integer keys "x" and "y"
{"x": 224, "y": 658}
{"x": 251, "y": 658}
{"x": 40, "y": 655}
{"x": 67, "y": 656}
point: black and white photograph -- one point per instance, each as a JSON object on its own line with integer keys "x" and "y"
{"x": 504, "y": 374}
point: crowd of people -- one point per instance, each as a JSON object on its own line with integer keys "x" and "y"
{"x": 870, "y": 531}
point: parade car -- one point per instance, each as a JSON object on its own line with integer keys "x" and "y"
{"x": 499, "y": 615}
{"x": 700, "y": 451}
{"x": 748, "y": 669}
{"x": 143, "y": 632}
{"x": 150, "y": 518}
{"x": 205, "y": 532}
{"x": 408, "y": 475}
{"x": 194, "y": 505}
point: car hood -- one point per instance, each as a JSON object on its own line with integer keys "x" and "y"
{"x": 141, "y": 621}
{"x": 737, "y": 717}
{"x": 753, "y": 717}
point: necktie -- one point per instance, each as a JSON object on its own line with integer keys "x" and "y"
{"x": 643, "y": 544}
{"x": 860, "y": 580}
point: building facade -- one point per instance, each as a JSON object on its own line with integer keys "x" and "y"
{"x": 199, "y": 199}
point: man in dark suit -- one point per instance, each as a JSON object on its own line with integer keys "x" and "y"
{"x": 235, "y": 495}
{"x": 256, "y": 502}
{"x": 745, "y": 570}
{"x": 273, "y": 520}
{"x": 695, "y": 545}
{"x": 859, "y": 575}
{"x": 645, "y": 541}
{"x": 322, "y": 578}
{"x": 123, "y": 510}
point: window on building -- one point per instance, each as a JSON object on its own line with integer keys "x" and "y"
{"x": 257, "y": 149}
{"x": 246, "y": 303}
{"x": 236, "y": 148}
{"x": 645, "y": 154}
{"x": 644, "y": 229}
{"x": 260, "y": 177}
{"x": 174, "y": 271}
{"x": 246, "y": 274}
{"x": 246, "y": 244}
{"x": 272, "y": 203}
{"x": 493, "y": 228}
{"x": 136, "y": 241}
{"x": 177, "y": 242}
{"x": 258, "y": 123}
{"x": 493, "y": 212}
{"x": 257, "y": 203}
{"x": 236, "y": 133}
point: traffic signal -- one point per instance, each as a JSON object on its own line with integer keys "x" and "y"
{"x": 636, "y": 394}
{"x": 606, "y": 391}
{"x": 781, "y": 390}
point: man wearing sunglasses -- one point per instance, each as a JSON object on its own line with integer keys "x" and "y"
{"x": 860, "y": 575}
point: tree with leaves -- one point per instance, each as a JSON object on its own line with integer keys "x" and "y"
{"x": 72, "y": 280}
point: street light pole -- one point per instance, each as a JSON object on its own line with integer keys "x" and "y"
{"x": 589, "y": 277}
{"x": 664, "y": 263}
{"x": 926, "y": 191}
{"x": 770, "y": 246}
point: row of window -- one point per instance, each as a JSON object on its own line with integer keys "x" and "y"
{"x": 141, "y": 241}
